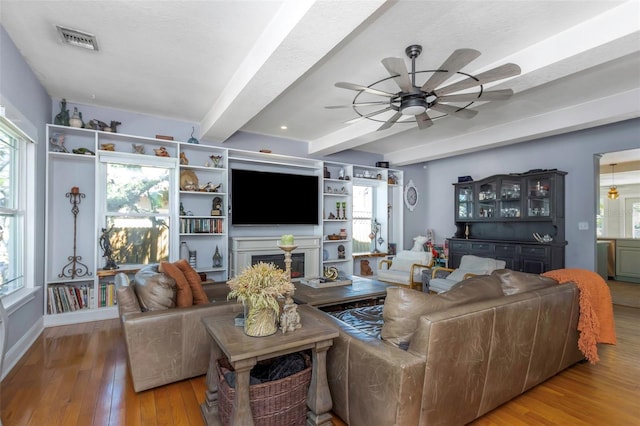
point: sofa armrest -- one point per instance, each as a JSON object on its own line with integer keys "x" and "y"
{"x": 372, "y": 381}
{"x": 169, "y": 345}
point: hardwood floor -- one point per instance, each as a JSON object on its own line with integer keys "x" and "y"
{"x": 77, "y": 375}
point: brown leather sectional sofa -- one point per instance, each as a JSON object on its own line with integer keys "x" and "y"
{"x": 460, "y": 362}
{"x": 169, "y": 345}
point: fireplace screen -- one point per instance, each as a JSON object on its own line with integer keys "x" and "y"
{"x": 297, "y": 262}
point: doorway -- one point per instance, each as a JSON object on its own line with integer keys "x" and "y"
{"x": 617, "y": 217}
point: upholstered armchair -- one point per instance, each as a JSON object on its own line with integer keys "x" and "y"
{"x": 440, "y": 279}
{"x": 405, "y": 269}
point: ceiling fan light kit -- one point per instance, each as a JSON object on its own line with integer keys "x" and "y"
{"x": 421, "y": 101}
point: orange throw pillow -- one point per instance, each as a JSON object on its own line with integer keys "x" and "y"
{"x": 193, "y": 278}
{"x": 184, "y": 296}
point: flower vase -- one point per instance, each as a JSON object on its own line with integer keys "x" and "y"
{"x": 259, "y": 321}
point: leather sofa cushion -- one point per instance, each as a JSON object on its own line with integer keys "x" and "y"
{"x": 127, "y": 300}
{"x": 193, "y": 278}
{"x": 514, "y": 282}
{"x": 403, "y": 307}
{"x": 155, "y": 291}
{"x": 184, "y": 295}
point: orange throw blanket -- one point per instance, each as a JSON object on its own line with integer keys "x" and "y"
{"x": 596, "y": 309}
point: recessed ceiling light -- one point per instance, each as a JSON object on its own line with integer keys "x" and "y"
{"x": 283, "y": 127}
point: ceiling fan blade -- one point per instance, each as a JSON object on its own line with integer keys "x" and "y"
{"x": 423, "y": 120}
{"x": 398, "y": 70}
{"x": 362, "y": 104}
{"x": 390, "y": 122}
{"x": 454, "y": 111}
{"x": 371, "y": 114}
{"x": 493, "y": 95}
{"x": 454, "y": 63}
{"x": 360, "y": 88}
{"x": 498, "y": 73}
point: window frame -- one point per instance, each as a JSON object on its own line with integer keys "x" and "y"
{"x": 356, "y": 217}
{"x": 102, "y": 219}
{"x": 24, "y": 211}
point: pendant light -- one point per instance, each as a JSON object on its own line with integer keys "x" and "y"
{"x": 613, "y": 189}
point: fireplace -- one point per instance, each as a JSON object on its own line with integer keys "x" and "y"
{"x": 297, "y": 262}
{"x": 247, "y": 251}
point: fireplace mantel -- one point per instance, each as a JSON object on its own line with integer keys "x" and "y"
{"x": 242, "y": 248}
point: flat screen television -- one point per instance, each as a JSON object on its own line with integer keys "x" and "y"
{"x": 270, "y": 198}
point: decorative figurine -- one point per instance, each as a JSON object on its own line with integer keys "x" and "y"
{"x": 57, "y": 143}
{"x": 290, "y": 318}
{"x": 137, "y": 148}
{"x": 216, "y": 206}
{"x": 341, "y": 252}
{"x": 161, "y": 152}
{"x": 192, "y": 139}
{"x": 105, "y": 245}
{"x": 113, "y": 126}
{"x": 183, "y": 159}
{"x": 215, "y": 160}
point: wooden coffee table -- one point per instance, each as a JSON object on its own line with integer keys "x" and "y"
{"x": 363, "y": 291}
{"x": 243, "y": 352}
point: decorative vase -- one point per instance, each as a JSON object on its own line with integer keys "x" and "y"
{"x": 75, "y": 120}
{"x": 259, "y": 321}
{"x": 184, "y": 250}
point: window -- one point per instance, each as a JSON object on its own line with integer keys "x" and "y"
{"x": 137, "y": 210}
{"x": 362, "y": 218}
{"x": 15, "y": 147}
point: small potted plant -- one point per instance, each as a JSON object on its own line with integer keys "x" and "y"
{"x": 258, "y": 288}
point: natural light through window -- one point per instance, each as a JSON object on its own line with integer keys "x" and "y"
{"x": 137, "y": 212}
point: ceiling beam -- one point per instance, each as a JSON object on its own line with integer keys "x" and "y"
{"x": 291, "y": 44}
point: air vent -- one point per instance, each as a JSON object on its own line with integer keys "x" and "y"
{"x": 77, "y": 38}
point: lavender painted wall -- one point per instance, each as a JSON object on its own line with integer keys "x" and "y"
{"x": 29, "y": 106}
{"x": 572, "y": 152}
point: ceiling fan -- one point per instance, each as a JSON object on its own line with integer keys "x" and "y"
{"x": 421, "y": 101}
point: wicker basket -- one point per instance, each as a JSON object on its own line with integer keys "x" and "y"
{"x": 277, "y": 403}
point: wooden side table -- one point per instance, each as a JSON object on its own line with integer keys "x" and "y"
{"x": 243, "y": 352}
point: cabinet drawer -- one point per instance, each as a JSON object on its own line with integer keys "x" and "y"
{"x": 505, "y": 250}
{"x": 482, "y": 247}
{"x": 459, "y": 245}
{"x": 535, "y": 251}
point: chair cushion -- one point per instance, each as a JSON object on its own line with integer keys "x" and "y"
{"x": 440, "y": 285}
{"x": 470, "y": 264}
{"x": 404, "y": 259}
{"x": 514, "y": 282}
{"x": 155, "y": 291}
{"x": 403, "y": 307}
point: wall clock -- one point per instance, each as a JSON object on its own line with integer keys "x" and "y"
{"x": 411, "y": 195}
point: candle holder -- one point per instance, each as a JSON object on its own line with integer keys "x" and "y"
{"x": 75, "y": 268}
{"x": 290, "y": 318}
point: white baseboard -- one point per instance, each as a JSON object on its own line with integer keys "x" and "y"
{"x": 21, "y": 347}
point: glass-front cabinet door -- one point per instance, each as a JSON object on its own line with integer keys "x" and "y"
{"x": 510, "y": 198}
{"x": 487, "y": 199}
{"x": 539, "y": 196}
{"x": 464, "y": 199}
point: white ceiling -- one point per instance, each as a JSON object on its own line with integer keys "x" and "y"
{"x": 256, "y": 65}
